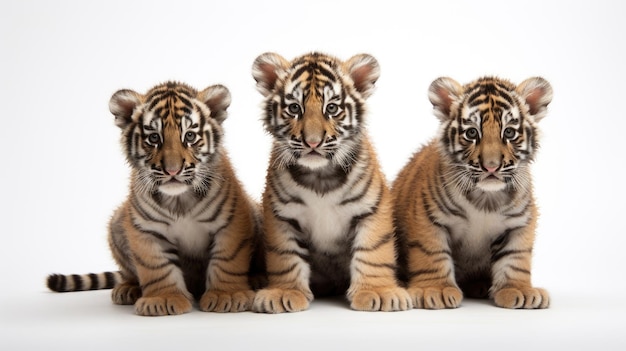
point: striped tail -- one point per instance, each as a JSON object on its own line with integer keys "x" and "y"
{"x": 83, "y": 282}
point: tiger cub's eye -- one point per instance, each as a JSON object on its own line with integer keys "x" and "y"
{"x": 294, "y": 108}
{"x": 190, "y": 137}
{"x": 509, "y": 133}
{"x": 154, "y": 138}
{"x": 471, "y": 133}
{"x": 332, "y": 108}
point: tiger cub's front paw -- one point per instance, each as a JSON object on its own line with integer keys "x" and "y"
{"x": 223, "y": 301}
{"x": 280, "y": 300}
{"x": 126, "y": 294}
{"x": 529, "y": 298}
{"x": 381, "y": 299}
{"x": 435, "y": 298}
{"x": 163, "y": 305}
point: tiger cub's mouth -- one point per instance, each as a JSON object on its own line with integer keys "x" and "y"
{"x": 313, "y": 159}
{"x": 491, "y": 182}
{"x": 173, "y": 187}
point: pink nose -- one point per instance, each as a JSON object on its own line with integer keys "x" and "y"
{"x": 312, "y": 144}
{"x": 491, "y": 169}
{"x": 172, "y": 171}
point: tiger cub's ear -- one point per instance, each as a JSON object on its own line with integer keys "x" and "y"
{"x": 537, "y": 93}
{"x": 122, "y": 105}
{"x": 217, "y": 98}
{"x": 442, "y": 93}
{"x": 266, "y": 69}
{"x": 364, "y": 71}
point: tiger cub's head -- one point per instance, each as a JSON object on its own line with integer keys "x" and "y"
{"x": 171, "y": 135}
{"x": 489, "y": 130}
{"x": 315, "y": 106}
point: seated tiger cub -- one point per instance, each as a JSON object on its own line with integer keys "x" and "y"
{"x": 187, "y": 228}
{"x": 328, "y": 225}
{"x": 464, "y": 205}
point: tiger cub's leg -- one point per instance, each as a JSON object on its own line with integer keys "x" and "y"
{"x": 288, "y": 272}
{"x": 152, "y": 281}
{"x": 373, "y": 283}
{"x": 431, "y": 281}
{"x": 511, "y": 258}
{"x": 128, "y": 291}
{"x": 228, "y": 289}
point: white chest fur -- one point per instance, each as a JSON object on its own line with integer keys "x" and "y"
{"x": 191, "y": 236}
{"x": 474, "y": 234}
{"x": 323, "y": 218}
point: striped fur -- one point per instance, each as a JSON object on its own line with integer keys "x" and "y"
{"x": 464, "y": 206}
{"x": 327, "y": 208}
{"x": 187, "y": 229}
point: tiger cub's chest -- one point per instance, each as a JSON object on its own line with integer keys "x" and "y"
{"x": 323, "y": 220}
{"x": 189, "y": 235}
{"x": 473, "y": 234}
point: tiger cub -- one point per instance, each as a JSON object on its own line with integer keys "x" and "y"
{"x": 187, "y": 228}
{"x": 464, "y": 205}
{"x": 327, "y": 211}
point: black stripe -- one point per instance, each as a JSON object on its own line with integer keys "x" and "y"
{"x": 219, "y": 206}
{"x": 137, "y": 206}
{"x": 377, "y": 265}
{"x": 109, "y": 280}
{"x": 420, "y": 246}
{"x": 145, "y": 264}
{"x": 501, "y": 254}
{"x": 384, "y": 240}
{"x": 274, "y": 184}
{"x": 360, "y": 195}
{"x": 291, "y": 221}
{"x": 520, "y": 270}
{"x": 153, "y": 233}
{"x": 93, "y": 281}
{"x": 438, "y": 277}
{"x": 242, "y": 244}
{"x": 78, "y": 282}
{"x": 157, "y": 280}
{"x": 284, "y": 271}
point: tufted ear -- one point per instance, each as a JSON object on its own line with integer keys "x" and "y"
{"x": 537, "y": 93}
{"x": 217, "y": 98}
{"x": 122, "y": 105}
{"x": 364, "y": 71}
{"x": 442, "y": 93}
{"x": 266, "y": 70}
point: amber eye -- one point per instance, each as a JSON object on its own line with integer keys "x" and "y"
{"x": 294, "y": 109}
{"x": 331, "y": 108}
{"x": 154, "y": 138}
{"x": 471, "y": 134}
{"x": 509, "y": 133}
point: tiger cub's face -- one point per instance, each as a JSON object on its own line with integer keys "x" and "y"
{"x": 171, "y": 134}
{"x": 489, "y": 129}
{"x": 314, "y": 106}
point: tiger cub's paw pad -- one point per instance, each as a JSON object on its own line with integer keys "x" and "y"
{"x": 222, "y": 301}
{"x": 528, "y": 298}
{"x": 435, "y": 298}
{"x": 125, "y": 294}
{"x": 279, "y": 300}
{"x": 162, "y": 305}
{"x": 383, "y": 299}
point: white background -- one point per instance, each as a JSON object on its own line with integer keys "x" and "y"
{"x": 64, "y": 173}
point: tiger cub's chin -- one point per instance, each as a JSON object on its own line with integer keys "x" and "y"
{"x": 313, "y": 161}
{"x": 173, "y": 188}
{"x": 491, "y": 184}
